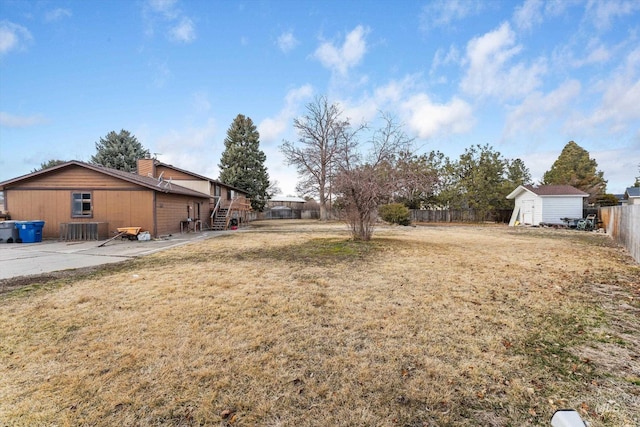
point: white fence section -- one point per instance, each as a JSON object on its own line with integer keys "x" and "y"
{"x": 623, "y": 224}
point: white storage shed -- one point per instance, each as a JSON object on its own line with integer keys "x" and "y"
{"x": 548, "y": 204}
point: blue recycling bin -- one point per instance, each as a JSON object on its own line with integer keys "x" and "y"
{"x": 30, "y": 231}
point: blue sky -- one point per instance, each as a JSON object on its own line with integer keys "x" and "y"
{"x": 525, "y": 77}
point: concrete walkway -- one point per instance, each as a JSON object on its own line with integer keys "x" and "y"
{"x": 26, "y": 259}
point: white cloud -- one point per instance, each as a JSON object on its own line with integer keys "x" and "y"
{"x": 620, "y": 164}
{"x": 384, "y": 98}
{"x": 13, "y": 121}
{"x": 161, "y": 73}
{"x": 620, "y": 95}
{"x": 201, "y": 102}
{"x": 442, "y": 58}
{"x": 593, "y": 51}
{"x": 597, "y": 55}
{"x": 179, "y": 27}
{"x": 13, "y": 37}
{"x": 287, "y": 41}
{"x": 538, "y": 162}
{"x": 529, "y": 14}
{"x": 415, "y": 109}
{"x": 429, "y": 119}
{"x": 183, "y": 32}
{"x": 57, "y": 14}
{"x": 342, "y": 58}
{"x": 191, "y": 149}
{"x": 272, "y": 128}
{"x": 491, "y": 72}
{"x": 558, "y": 7}
{"x": 603, "y": 13}
{"x": 443, "y": 13}
{"x": 164, "y": 7}
{"x": 620, "y": 104}
{"x": 538, "y": 110}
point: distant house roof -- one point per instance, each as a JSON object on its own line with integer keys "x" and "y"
{"x": 632, "y": 192}
{"x": 548, "y": 191}
{"x": 144, "y": 181}
{"x": 195, "y": 175}
{"x": 287, "y": 199}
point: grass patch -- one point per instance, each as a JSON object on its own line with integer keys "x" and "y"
{"x": 293, "y": 324}
{"x": 317, "y": 251}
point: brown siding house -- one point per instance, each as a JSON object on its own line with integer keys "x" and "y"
{"x": 224, "y": 200}
{"x": 78, "y": 192}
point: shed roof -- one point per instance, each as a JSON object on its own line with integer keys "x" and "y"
{"x": 633, "y": 192}
{"x": 144, "y": 181}
{"x": 548, "y": 191}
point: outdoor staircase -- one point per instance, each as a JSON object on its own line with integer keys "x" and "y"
{"x": 220, "y": 221}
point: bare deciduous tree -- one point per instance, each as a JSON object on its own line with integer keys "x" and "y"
{"x": 365, "y": 182}
{"x": 325, "y": 139}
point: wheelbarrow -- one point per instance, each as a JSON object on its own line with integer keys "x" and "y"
{"x": 130, "y": 233}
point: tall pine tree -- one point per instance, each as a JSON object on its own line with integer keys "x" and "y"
{"x": 119, "y": 151}
{"x": 575, "y": 167}
{"x": 242, "y": 162}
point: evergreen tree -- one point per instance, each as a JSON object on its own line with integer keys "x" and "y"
{"x": 416, "y": 179}
{"x": 119, "y": 151}
{"x": 480, "y": 179}
{"x": 517, "y": 173}
{"x": 481, "y": 172}
{"x": 49, "y": 164}
{"x": 242, "y": 162}
{"x": 575, "y": 167}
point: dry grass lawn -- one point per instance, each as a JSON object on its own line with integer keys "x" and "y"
{"x": 293, "y": 324}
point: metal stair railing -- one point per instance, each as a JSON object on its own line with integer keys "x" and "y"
{"x": 215, "y": 208}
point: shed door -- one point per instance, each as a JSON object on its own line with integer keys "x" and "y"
{"x": 527, "y": 211}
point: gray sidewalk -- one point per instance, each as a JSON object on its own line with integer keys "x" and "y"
{"x": 26, "y": 259}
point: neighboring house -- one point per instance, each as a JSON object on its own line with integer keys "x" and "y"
{"x": 632, "y": 195}
{"x": 280, "y": 207}
{"x": 76, "y": 192}
{"x": 546, "y": 204}
{"x": 226, "y": 203}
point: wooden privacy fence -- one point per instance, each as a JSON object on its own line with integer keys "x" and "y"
{"x": 460, "y": 215}
{"x": 623, "y": 224}
{"x": 287, "y": 213}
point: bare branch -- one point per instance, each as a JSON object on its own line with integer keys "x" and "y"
{"x": 324, "y": 140}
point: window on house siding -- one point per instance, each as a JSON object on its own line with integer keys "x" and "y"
{"x": 81, "y": 205}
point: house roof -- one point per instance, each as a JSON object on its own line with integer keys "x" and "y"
{"x": 633, "y": 192}
{"x": 195, "y": 175}
{"x": 548, "y": 191}
{"x": 144, "y": 181}
{"x": 287, "y": 199}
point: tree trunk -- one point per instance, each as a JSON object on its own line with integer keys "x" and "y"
{"x": 323, "y": 212}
